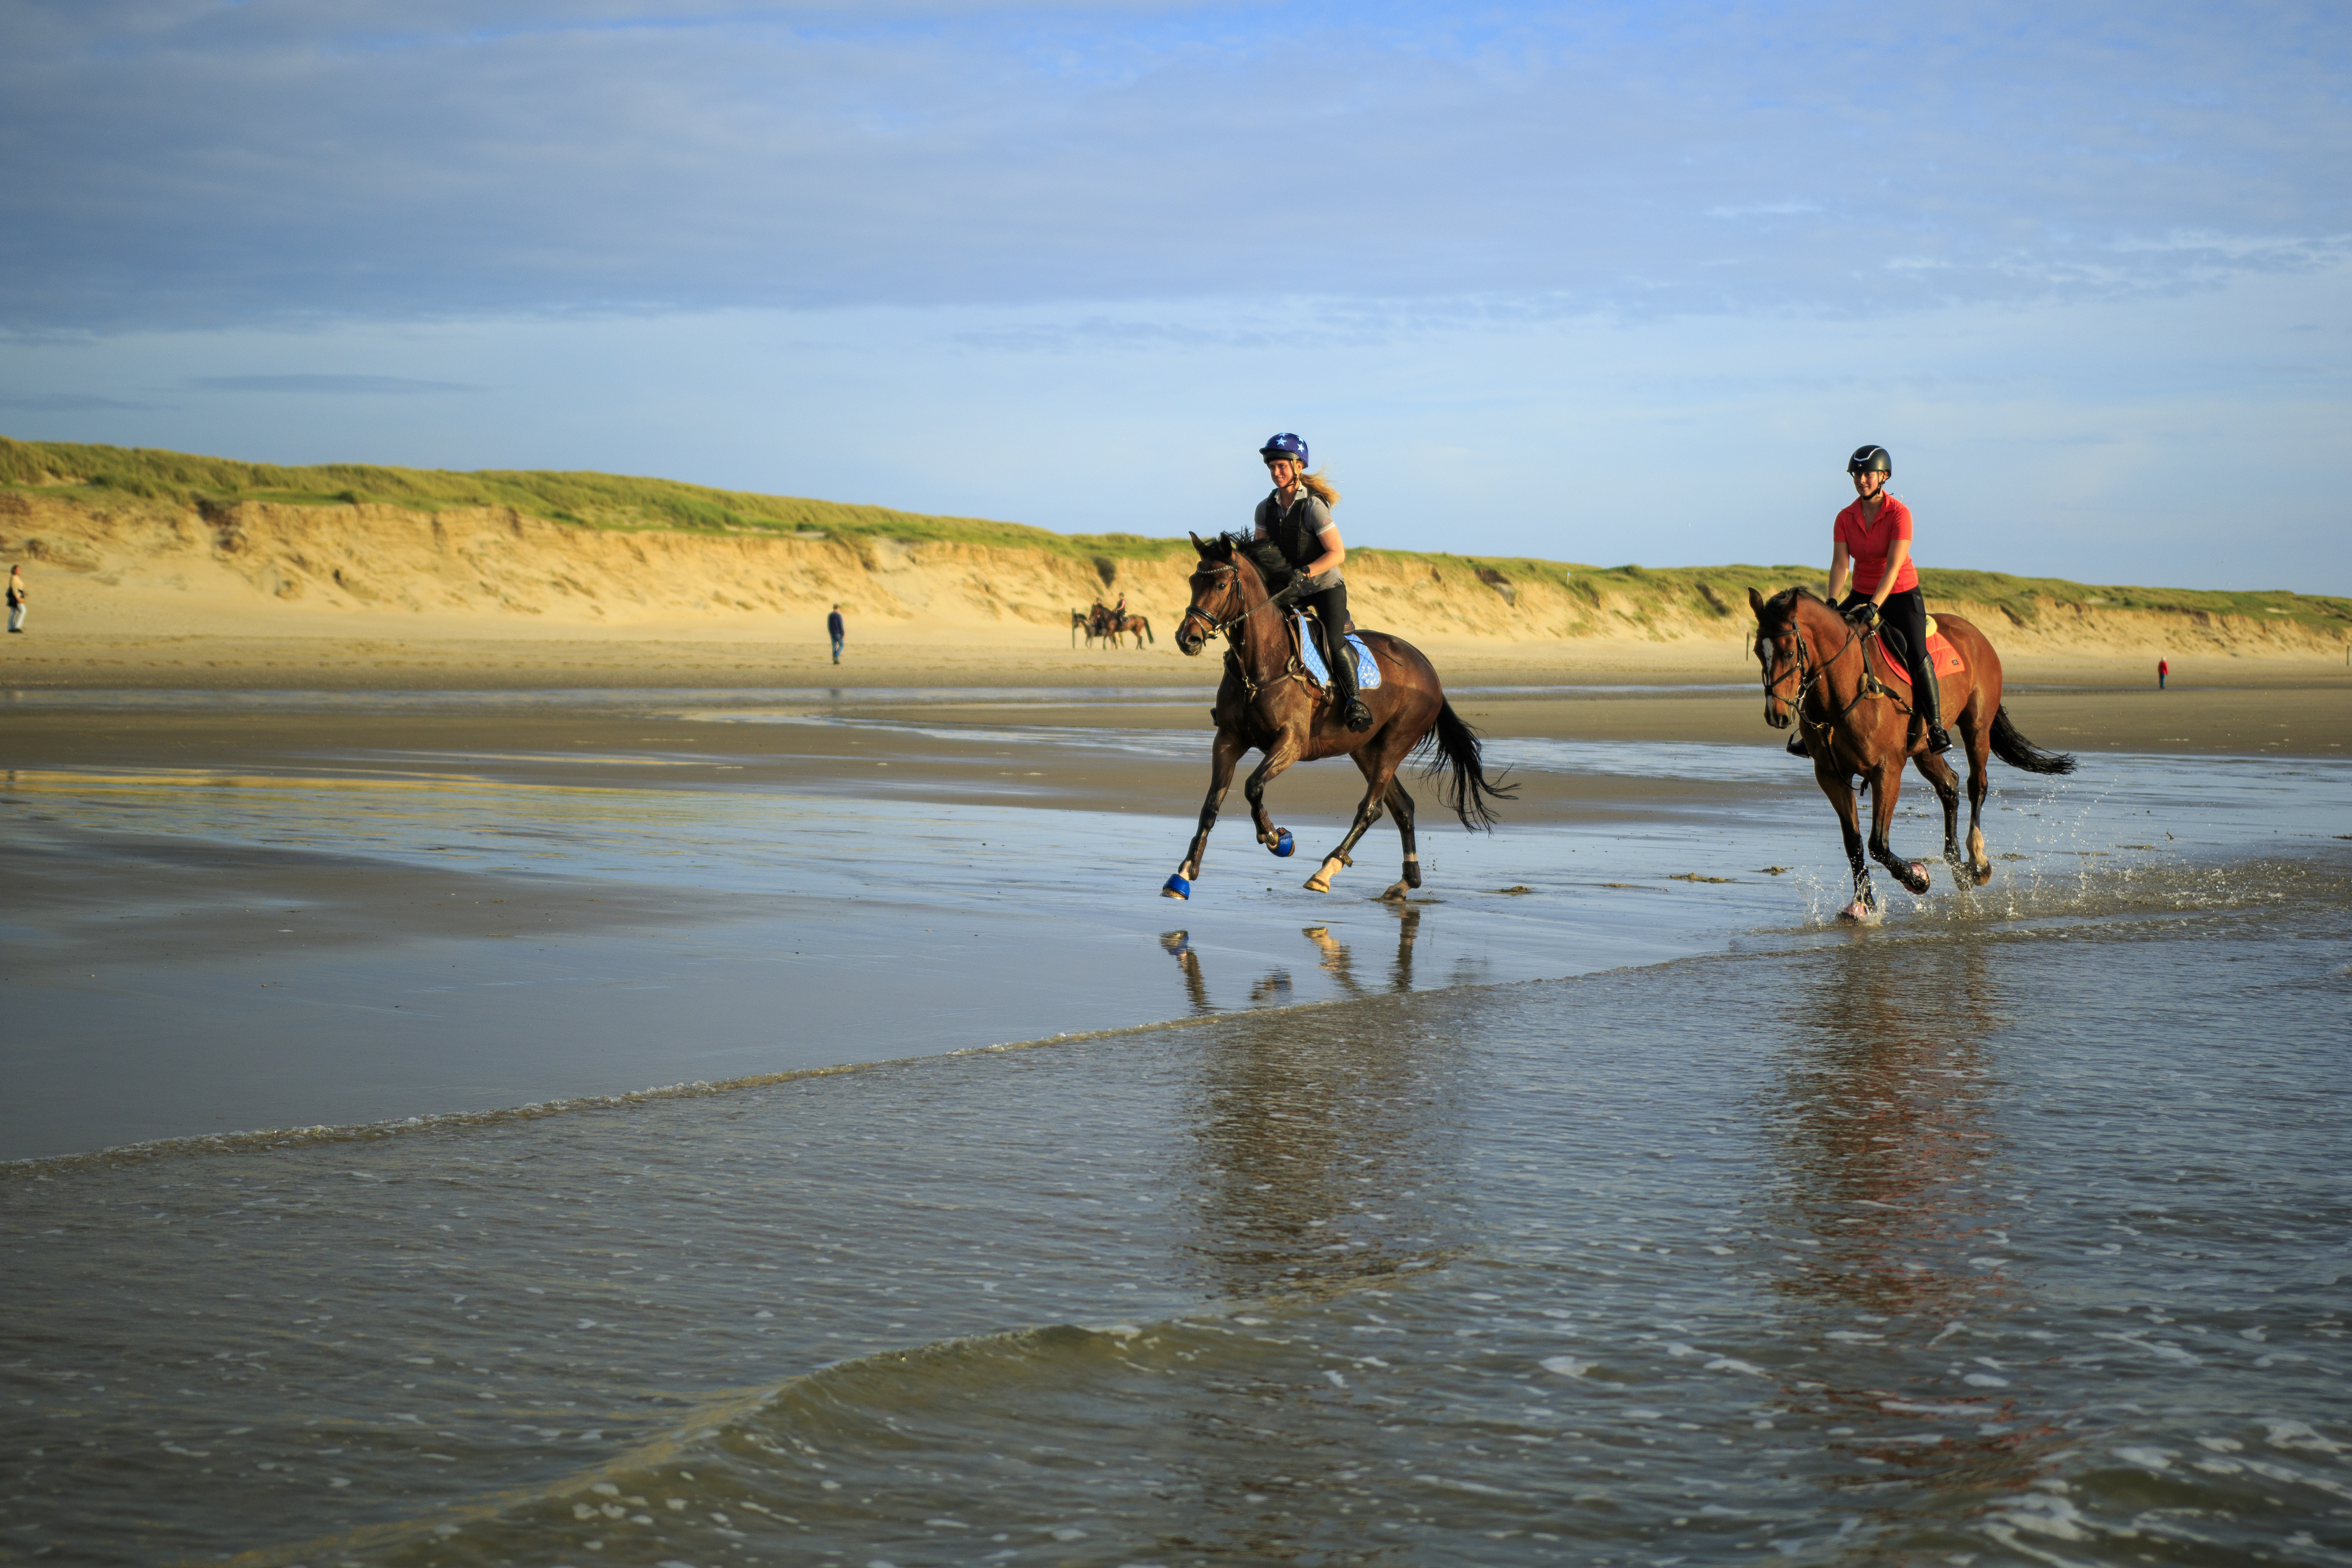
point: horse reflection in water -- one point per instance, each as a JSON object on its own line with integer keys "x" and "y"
{"x": 1887, "y": 1141}
{"x": 1273, "y": 987}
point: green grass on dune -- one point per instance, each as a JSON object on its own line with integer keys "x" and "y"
{"x": 584, "y": 499}
{"x": 616, "y": 501}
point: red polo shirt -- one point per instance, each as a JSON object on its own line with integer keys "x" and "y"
{"x": 1870, "y": 543}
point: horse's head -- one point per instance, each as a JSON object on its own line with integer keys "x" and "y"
{"x": 1781, "y": 650}
{"x": 1219, "y": 598}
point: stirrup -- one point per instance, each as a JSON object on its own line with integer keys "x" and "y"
{"x": 1797, "y": 746}
{"x": 1938, "y": 741}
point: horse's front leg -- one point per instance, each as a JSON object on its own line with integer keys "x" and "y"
{"x": 1224, "y": 754}
{"x": 1947, "y": 786}
{"x": 1285, "y": 750}
{"x": 1838, "y": 784}
{"x": 1885, "y": 783}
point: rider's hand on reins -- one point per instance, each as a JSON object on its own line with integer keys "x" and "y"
{"x": 1864, "y": 616}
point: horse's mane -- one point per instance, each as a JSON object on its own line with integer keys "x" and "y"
{"x": 1784, "y": 602}
{"x": 1262, "y": 554}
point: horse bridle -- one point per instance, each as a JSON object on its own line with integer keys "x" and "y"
{"x": 1807, "y": 677}
{"x": 1214, "y": 624}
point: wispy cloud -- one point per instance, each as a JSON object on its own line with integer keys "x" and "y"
{"x": 331, "y": 386}
{"x": 73, "y": 403}
{"x": 217, "y": 164}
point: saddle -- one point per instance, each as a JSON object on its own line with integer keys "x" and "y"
{"x": 1306, "y": 647}
{"x": 1943, "y": 659}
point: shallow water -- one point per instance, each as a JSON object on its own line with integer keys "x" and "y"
{"x": 2003, "y": 1237}
{"x": 2011, "y": 1230}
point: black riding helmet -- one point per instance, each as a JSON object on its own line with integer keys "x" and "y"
{"x": 1870, "y": 460}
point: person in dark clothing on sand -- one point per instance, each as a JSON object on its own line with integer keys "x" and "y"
{"x": 835, "y": 630}
{"x": 1297, "y": 518}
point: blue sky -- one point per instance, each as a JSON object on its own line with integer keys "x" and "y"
{"x": 1607, "y": 283}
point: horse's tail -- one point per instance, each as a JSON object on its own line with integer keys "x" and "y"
{"x": 2019, "y": 752}
{"x": 1146, "y": 627}
{"x": 1468, "y": 790}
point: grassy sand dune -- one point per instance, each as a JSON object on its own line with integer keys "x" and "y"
{"x": 131, "y": 542}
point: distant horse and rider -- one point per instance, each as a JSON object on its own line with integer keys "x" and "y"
{"x": 1108, "y": 623}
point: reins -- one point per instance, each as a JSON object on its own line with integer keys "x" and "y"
{"x": 1809, "y": 676}
{"x": 1251, "y": 685}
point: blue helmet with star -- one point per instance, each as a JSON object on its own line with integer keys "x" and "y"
{"x": 1284, "y": 445}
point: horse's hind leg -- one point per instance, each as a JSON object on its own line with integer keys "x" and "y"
{"x": 1223, "y": 756}
{"x": 1947, "y": 786}
{"x": 1379, "y": 775}
{"x": 1885, "y": 783}
{"x": 1399, "y": 805}
{"x": 1979, "y": 737}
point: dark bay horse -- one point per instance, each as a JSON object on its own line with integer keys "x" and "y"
{"x": 1265, "y": 703}
{"x": 1820, "y": 670}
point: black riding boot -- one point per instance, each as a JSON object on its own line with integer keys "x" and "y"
{"x": 1340, "y": 661}
{"x": 1937, "y": 739}
{"x": 1797, "y": 744}
{"x": 1330, "y": 607}
{"x": 1931, "y": 704}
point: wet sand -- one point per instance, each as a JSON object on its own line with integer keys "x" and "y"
{"x": 453, "y": 658}
{"x": 239, "y": 910}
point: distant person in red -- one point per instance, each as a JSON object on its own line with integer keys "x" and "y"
{"x": 1871, "y": 539}
{"x": 2162, "y": 669}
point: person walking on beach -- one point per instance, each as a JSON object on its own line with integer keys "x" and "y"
{"x": 16, "y": 598}
{"x": 836, "y": 631}
{"x": 1297, "y": 518}
{"x": 2162, "y": 669}
{"x": 1872, "y": 539}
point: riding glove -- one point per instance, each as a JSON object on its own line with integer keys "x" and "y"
{"x": 1864, "y": 616}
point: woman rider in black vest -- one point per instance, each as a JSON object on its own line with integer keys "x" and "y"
{"x": 1296, "y": 519}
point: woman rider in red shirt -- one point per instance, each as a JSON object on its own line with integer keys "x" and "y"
{"x": 1872, "y": 540}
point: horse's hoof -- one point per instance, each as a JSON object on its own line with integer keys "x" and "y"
{"x": 1396, "y": 894}
{"x": 1176, "y": 888}
{"x": 1919, "y": 877}
{"x": 1284, "y": 845}
{"x": 1858, "y": 912}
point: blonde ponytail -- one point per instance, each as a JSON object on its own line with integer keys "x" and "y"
{"x": 1319, "y": 485}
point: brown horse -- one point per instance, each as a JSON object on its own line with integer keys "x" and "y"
{"x": 1267, "y": 703}
{"x": 1822, "y": 671}
{"x": 1137, "y": 626}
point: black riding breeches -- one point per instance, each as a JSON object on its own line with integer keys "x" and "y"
{"x": 1905, "y": 617}
{"x": 1330, "y": 607}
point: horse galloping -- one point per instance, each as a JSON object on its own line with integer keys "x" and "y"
{"x": 1855, "y": 721}
{"x": 1266, "y": 703}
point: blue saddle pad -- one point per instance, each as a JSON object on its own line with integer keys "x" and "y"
{"x": 1368, "y": 668}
